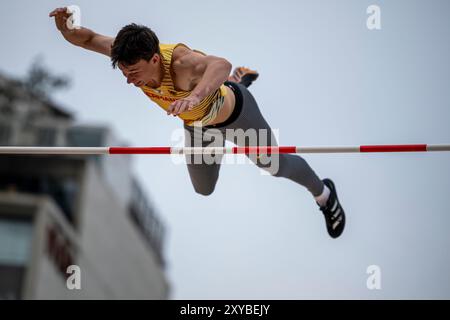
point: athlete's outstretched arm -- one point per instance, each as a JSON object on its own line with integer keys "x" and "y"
{"x": 83, "y": 37}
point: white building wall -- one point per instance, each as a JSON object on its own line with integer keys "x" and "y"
{"x": 127, "y": 263}
{"x": 44, "y": 279}
{"x": 115, "y": 260}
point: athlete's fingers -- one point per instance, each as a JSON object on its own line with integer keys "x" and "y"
{"x": 181, "y": 107}
{"x": 172, "y": 105}
{"x": 58, "y": 11}
{"x": 53, "y": 13}
{"x": 176, "y": 107}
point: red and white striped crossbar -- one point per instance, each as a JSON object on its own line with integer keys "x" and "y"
{"x": 223, "y": 150}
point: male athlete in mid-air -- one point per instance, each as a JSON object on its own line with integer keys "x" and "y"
{"x": 199, "y": 90}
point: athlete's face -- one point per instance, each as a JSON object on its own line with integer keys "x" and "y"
{"x": 143, "y": 72}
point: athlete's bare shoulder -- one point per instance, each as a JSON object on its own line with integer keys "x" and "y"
{"x": 179, "y": 52}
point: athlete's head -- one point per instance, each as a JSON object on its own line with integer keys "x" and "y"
{"x": 136, "y": 52}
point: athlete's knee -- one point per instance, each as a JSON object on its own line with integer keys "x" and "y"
{"x": 270, "y": 164}
{"x": 276, "y": 172}
{"x": 204, "y": 191}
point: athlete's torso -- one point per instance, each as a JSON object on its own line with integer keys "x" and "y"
{"x": 215, "y": 108}
{"x": 227, "y": 108}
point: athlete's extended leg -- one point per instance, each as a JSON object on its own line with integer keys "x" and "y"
{"x": 248, "y": 123}
{"x": 289, "y": 166}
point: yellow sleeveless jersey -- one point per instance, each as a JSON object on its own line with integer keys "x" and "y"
{"x": 204, "y": 112}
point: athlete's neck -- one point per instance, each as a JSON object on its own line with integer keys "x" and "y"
{"x": 162, "y": 70}
{"x": 156, "y": 82}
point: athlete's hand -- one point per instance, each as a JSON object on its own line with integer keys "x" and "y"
{"x": 61, "y": 17}
{"x": 182, "y": 105}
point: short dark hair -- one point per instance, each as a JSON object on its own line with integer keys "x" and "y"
{"x": 132, "y": 43}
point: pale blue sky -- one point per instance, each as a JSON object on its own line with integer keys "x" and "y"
{"x": 325, "y": 80}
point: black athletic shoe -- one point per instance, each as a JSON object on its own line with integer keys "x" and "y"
{"x": 244, "y": 76}
{"x": 248, "y": 77}
{"x": 333, "y": 212}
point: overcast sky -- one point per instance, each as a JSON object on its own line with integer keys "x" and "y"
{"x": 325, "y": 79}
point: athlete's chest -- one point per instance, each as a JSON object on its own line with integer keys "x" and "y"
{"x": 183, "y": 80}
